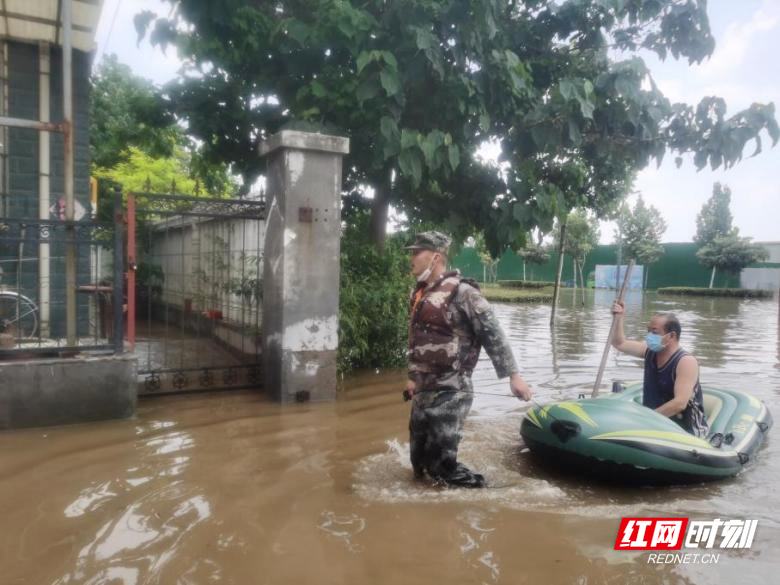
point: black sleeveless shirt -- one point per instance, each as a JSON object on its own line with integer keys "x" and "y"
{"x": 659, "y": 389}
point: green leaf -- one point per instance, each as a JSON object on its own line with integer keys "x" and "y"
{"x": 424, "y": 38}
{"x": 588, "y": 87}
{"x": 367, "y": 90}
{"x": 700, "y": 159}
{"x": 544, "y": 135}
{"x": 429, "y": 146}
{"x": 626, "y": 87}
{"x": 389, "y": 129}
{"x": 574, "y": 133}
{"x": 364, "y": 58}
{"x": 758, "y": 146}
{"x": 484, "y": 121}
{"x": 141, "y": 22}
{"x": 411, "y": 166}
{"x": 447, "y": 139}
{"x": 346, "y": 27}
{"x": 454, "y": 156}
{"x": 520, "y": 212}
{"x": 567, "y": 89}
{"x": 518, "y": 83}
{"x": 298, "y": 31}
{"x": 774, "y": 131}
{"x": 586, "y": 107}
{"x": 428, "y": 150}
{"x": 491, "y": 24}
{"x": 318, "y": 90}
{"x": 390, "y": 59}
{"x": 409, "y": 138}
{"x": 390, "y": 81}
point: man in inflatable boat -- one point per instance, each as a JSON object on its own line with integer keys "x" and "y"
{"x": 671, "y": 381}
{"x": 450, "y": 321}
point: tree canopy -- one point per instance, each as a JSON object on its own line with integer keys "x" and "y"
{"x": 640, "y": 231}
{"x": 134, "y": 137}
{"x": 534, "y": 254}
{"x": 720, "y": 245}
{"x": 730, "y": 253}
{"x": 127, "y": 111}
{"x": 142, "y": 172}
{"x": 581, "y": 235}
{"x": 714, "y": 219}
{"x": 418, "y": 85}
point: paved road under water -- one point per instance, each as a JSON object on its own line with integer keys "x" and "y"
{"x": 228, "y": 488}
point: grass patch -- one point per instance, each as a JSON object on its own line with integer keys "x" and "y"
{"x": 743, "y": 293}
{"x": 500, "y": 294}
{"x": 534, "y": 284}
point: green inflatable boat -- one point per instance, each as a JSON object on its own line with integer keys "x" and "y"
{"x": 617, "y": 438}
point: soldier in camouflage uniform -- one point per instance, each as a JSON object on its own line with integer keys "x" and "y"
{"x": 449, "y": 323}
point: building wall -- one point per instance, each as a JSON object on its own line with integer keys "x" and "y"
{"x": 23, "y": 144}
{"x": 23, "y": 170}
{"x": 764, "y": 275}
{"x": 204, "y": 261}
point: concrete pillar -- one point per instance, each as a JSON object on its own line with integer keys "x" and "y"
{"x": 301, "y": 265}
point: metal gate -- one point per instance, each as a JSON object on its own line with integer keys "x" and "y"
{"x": 195, "y": 291}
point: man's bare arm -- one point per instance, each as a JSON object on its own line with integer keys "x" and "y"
{"x": 619, "y": 341}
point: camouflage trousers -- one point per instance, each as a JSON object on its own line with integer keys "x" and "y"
{"x": 435, "y": 431}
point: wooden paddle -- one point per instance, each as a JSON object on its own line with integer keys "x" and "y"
{"x": 604, "y": 355}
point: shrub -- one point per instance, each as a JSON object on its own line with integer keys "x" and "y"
{"x": 716, "y": 292}
{"x": 374, "y": 299}
{"x": 525, "y": 283}
{"x": 509, "y": 295}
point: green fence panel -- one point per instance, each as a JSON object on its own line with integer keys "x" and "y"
{"x": 677, "y": 267}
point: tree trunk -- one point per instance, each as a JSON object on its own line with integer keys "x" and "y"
{"x": 575, "y": 280}
{"x": 582, "y": 281}
{"x": 647, "y": 272}
{"x": 558, "y": 273}
{"x": 712, "y": 277}
{"x": 379, "y": 212}
{"x": 523, "y": 270}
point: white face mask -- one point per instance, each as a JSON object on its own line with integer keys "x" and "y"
{"x": 426, "y": 274}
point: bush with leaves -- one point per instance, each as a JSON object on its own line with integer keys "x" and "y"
{"x": 374, "y": 299}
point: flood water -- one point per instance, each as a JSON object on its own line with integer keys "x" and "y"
{"x": 229, "y": 488}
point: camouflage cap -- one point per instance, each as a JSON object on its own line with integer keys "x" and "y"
{"x": 433, "y": 240}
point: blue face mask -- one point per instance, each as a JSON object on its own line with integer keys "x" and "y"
{"x": 654, "y": 342}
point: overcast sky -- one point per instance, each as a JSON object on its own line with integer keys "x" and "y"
{"x": 743, "y": 69}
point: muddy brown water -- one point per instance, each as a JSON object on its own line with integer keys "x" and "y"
{"x": 229, "y": 488}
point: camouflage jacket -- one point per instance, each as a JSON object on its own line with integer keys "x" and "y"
{"x": 445, "y": 338}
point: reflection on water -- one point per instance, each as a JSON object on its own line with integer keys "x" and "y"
{"x": 232, "y": 489}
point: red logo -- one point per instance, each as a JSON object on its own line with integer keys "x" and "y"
{"x": 651, "y": 533}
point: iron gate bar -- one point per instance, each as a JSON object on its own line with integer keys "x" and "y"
{"x": 197, "y": 288}
{"x": 201, "y": 206}
{"x": 46, "y": 229}
{"x": 119, "y": 274}
{"x": 82, "y": 238}
{"x": 196, "y": 369}
{"x": 101, "y": 349}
